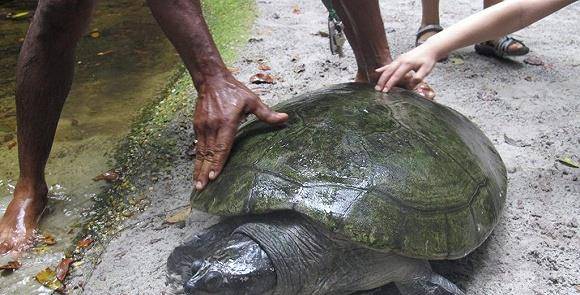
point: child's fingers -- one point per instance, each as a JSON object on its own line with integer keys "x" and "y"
{"x": 397, "y": 76}
{"x": 387, "y": 72}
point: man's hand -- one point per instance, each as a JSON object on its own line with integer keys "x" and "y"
{"x": 222, "y": 104}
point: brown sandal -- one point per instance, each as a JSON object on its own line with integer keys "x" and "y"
{"x": 426, "y": 29}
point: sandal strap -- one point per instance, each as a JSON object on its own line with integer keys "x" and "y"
{"x": 504, "y": 43}
{"x": 427, "y": 29}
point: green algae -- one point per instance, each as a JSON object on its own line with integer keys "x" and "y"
{"x": 151, "y": 145}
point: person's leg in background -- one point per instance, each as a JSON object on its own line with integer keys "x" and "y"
{"x": 365, "y": 31}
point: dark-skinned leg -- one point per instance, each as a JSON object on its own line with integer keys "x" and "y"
{"x": 429, "y": 16}
{"x": 365, "y": 31}
{"x": 44, "y": 76}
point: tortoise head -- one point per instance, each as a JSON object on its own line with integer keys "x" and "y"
{"x": 239, "y": 267}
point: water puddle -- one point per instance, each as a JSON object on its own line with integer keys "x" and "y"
{"x": 120, "y": 67}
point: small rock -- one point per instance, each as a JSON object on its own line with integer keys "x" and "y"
{"x": 299, "y": 68}
{"x": 275, "y": 15}
{"x": 512, "y": 170}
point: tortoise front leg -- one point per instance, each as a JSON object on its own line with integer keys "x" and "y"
{"x": 430, "y": 283}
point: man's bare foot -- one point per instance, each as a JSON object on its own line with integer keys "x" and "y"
{"x": 19, "y": 222}
{"x": 422, "y": 88}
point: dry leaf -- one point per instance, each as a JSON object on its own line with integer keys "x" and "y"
{"x": 63, "y": 268}
{"x": 514, "y": 142}
{"x": 47, "y": 278}
{"x": 11, "y": 266}
{"x": 261, "y": 78}
{"x": 109, "y": 176}
{"x": 534, "y": 60}
{"x": 11, "y": 144}
{"x": 569, "y": 162}
{"x": 264, "y": 67}
{"x": 20, "y": 15}
{"x": 95, "y": 33}
{"x": 48, "y": 239}
{"x": 296, "y": 9}
{"x": 321, "y": 34}
{"x": 84, "y": 243}
{"x": 105, "y": 52}
{"x": 456, "y": 60}
{"x": 178, "y": 216}
{"x": 40, "y": 249}
{"x": 233, "y": 70}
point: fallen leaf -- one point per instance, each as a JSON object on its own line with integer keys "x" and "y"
{"x": 264, "y": 67}
{"x": 11, "y": 266}
{"x": 261, "y": 78}
{"x": 95, "y": 33}
{"x": 321, "y": 34}
{"x": 11, "y": 144}
{"x": 178, "y": 216}
{"x": 296, "y": 9}
{"x": 84, "y": 243}
{"x": 534, "y": 60}
{"x": 63, "y": 268}
{"x": 456, "y": 60}
{"x": 105, "y": 52}
{"x": 514, "y": 142}
{"x": 47, "y": 278}
{"x": 48, "y": 239}
{"x": 569, "y": 162}
{"x": 20, "y": 15}
{"x": 40, "y": 249}
{"x": 109, "y": 176}
{"x": 233, "y": 70}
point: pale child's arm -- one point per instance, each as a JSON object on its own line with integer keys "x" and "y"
{"x": 493, "y": 22}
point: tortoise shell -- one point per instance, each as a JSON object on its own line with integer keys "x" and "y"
{"x": 392, "y": 171}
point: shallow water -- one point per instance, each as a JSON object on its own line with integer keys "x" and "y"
{"x": 117, "y": 74}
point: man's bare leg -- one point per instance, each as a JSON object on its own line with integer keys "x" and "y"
{"x": 44, "y": 76}
{"x": 365, "y": 31}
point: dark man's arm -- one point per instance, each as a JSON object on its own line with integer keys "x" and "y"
{"x": 222, "y": 100}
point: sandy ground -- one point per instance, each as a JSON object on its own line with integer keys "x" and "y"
{"x": 534, "y": 249}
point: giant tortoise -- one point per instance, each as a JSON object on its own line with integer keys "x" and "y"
{"x": 358, "y": 190}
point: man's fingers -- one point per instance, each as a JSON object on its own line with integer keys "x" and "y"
{"x": 387, "y": 72}
{"x": 208, "y": 156}
{"x": 225, "y": 140}
{"x": 200, "y": 153}
{"x": 264, "y": 113}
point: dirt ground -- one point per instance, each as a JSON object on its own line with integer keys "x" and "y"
{"x": 531, "y": 113}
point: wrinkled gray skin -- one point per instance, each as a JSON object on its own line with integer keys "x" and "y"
{"x": 287, "y": 253}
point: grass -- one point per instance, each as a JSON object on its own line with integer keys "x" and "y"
{"x": 150, "y": 146}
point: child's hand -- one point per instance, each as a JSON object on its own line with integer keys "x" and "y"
{"x": 421, "y": 60}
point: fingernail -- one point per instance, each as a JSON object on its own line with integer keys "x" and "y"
{"x": 377, "y": 88}
{"x": 198, "y": 185}
{"x": 211, "y": 175}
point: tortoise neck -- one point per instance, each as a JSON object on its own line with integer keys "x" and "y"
{"x": 297, "y": 248}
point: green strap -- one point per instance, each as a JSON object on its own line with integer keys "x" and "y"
{"x": 332, "y": 16}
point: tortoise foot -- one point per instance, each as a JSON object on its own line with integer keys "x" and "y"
{"x": 431, "y": 284}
